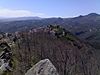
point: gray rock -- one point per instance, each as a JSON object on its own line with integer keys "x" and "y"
{"x": 44, "y": 67}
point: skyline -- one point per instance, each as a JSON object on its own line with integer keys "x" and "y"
{"x": 48, "y": 8}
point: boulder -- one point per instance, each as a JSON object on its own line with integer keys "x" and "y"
{"x": 44, "y": 67}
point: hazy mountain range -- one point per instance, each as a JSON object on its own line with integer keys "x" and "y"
{"x": 19, "y": 18}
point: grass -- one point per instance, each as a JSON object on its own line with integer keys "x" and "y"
{"x": 69, "y": 37}
{"x": 34, "y": 60}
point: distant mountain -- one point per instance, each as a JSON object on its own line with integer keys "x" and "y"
{"x": 76, "y": 24}
{"x": 93, "y": 14}
{"x": 19, "y": 19}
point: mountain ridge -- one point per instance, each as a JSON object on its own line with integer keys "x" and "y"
{"x": 83, "y": 26}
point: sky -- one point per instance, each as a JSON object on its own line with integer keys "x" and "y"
{"x": 48, "y": 8}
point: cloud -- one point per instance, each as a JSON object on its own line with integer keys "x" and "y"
{"x": 18, "y": 13}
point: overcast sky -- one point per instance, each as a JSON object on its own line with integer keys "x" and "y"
{"x": 48, "y": 8}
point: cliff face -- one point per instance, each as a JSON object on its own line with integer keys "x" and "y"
{"x": 68, "y": 54}
{"x": 6, "y": 59}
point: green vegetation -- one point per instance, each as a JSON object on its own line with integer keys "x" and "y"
{"x": 70, "y": 37}
{"x": 7, "y": 73}
{"x": 61, "y": 32}
{"x": 34, "y": 60}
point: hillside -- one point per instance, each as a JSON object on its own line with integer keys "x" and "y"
{"x": 69, "y": 55}
{"x": 33, "y": 40}
{"x": 83, "y": 26}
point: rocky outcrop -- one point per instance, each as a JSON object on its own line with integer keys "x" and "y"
{"x": 5, "y": 58}
{"x": 44, "y": 67}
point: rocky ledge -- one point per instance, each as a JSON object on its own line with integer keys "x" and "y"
{"x": 44, "y": 67}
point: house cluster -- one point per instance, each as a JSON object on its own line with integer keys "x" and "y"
{"x": 54, "y": 30}
{"x": 35, "y": 30}
{"x": 51, "y": 29}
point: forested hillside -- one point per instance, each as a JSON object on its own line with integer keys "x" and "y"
{"x": 69, "y": 55}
